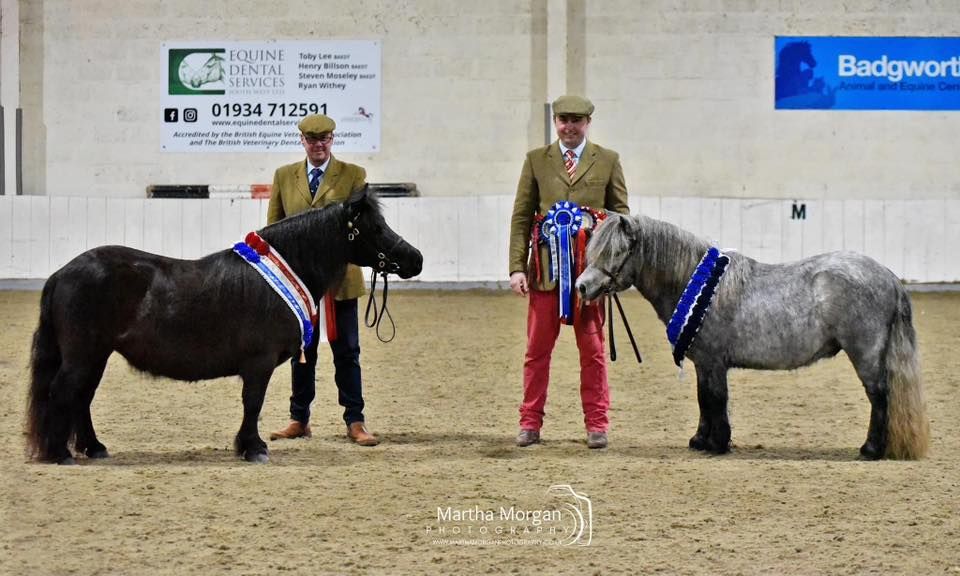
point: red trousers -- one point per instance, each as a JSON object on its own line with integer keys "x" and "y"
{"x": 543, "y": 328}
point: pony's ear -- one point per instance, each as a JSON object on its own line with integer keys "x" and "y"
{"x": 626, "y": 225}
{"x": 355, "y": 201}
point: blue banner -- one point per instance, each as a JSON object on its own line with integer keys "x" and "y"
{"x": 860, "y": 73}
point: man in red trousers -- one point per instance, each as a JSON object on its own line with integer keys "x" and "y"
{"x": 576, "y": 170}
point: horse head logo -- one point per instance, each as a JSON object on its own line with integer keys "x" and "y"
{"x": 207, "y": 73}
{"x": 796, "y": 86}
{"x": 196, "y": 71}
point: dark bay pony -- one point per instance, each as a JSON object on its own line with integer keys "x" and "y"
{"x": 775, "y": 317}
{"x": 189, "y": 319}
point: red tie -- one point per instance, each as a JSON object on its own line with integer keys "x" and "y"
{"x": 570, "y": 165}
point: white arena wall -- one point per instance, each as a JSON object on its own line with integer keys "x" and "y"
{"x": 464, "y": 239}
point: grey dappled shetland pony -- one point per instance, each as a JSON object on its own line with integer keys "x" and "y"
{"x": 775, "y": 317}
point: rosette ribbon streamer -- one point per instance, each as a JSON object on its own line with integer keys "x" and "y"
{"x": 691, "y": 309}
{"x": 559, "y": 228}
{"x": 284, "y": 281}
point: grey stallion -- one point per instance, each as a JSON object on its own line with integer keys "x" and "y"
{"x": 729, "y": 311}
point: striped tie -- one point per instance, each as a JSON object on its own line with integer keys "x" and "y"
{"x": 315, "y": 180}
{"x": 570, "y": 165}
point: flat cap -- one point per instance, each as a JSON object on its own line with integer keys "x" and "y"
{"x": 570, "y": 104}
{"x": 317, "y": 124}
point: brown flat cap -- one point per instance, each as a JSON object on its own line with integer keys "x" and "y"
{"x": 317, "y": 124}
{"x": 570, "y": 104}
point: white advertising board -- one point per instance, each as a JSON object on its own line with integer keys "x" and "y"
{"x": 249, "y": 96}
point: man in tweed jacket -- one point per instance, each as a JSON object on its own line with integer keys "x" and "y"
{"x": 314, "y": 183}
{"x": 597, "y": 182}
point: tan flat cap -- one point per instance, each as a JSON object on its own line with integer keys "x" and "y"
{"x": 570, "y": 104}
{"x": 317, "y": 124}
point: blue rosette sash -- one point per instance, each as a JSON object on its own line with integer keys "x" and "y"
{"x": 559, "y": 229}
{"x": 284, "y": 281}
{"x": 691, "y": 309}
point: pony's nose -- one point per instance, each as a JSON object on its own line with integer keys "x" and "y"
{"x": 417, "y": 264}
{"x": 582, "y": 289}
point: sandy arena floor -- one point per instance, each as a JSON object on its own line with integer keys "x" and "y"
{"x": 792, "y": 497}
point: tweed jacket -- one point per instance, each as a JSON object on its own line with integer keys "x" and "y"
{"x": 597, "y": 183}
{"x": 291, "y": 195}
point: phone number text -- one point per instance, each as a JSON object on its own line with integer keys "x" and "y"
{"x": 269, "y": 109}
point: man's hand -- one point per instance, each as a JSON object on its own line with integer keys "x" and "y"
{"x": 518, "y": 283}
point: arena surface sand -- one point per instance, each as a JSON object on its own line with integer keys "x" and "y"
{"x": 792, "y": 497}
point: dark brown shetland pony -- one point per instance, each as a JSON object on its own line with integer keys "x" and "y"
{"x": 189, "y": 319}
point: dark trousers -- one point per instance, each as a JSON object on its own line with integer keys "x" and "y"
{"x": 346, "y": 364}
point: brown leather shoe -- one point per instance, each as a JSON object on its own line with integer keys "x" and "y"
{"x": 357, "y": 432}
{"x": 528, "y": 437}
{"x": 294, "y": 429}
{"x": 596, "y": 439}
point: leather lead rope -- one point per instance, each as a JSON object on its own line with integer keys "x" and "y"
{"x": 613, "y": 343}
{"x": 383, "y": 311}
{"x": 613, "y": 346}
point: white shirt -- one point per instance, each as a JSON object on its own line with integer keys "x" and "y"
{"x": 322, "y": 167}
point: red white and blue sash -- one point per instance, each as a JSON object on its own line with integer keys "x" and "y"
{"x": 285, "y": 282}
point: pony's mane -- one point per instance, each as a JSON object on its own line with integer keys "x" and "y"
{"x": 664, "y": 247}
{"x": 607, "y": 240}
{"x": 667, "y": 253}
{"x": 291, "y": 229}
{"x": 669, "y": 248}
{"x": 316, "y": 222}
{"x": 313, "y": 243}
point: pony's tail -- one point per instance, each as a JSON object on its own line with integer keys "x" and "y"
{"x": 45, "y": 360}
{"x": 908, "y": 430}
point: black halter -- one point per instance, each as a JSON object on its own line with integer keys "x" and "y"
{"x": 612, "y": 292}
{"x": 613, "y": 346}
{"x": 615, "y": 275}
{"x": 372, "y": 303}
{"x": 385, "y": 265}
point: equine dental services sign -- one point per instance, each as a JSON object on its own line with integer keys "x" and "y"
{"x": 249, "y": 96}
{"x": 860, "y": 73}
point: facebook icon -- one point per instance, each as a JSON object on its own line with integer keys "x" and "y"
{"x": 171, "y": 114}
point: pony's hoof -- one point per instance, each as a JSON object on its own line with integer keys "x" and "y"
{"x": 257, "y": 458}
{"x": 93, "y": 450}
{"x": 870, "y": 452}
{"x": 707, "y": 444}
{"x": 698, "y": 443}
{"x": 68, "y": 461}
{"x": 722, "y": 449}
